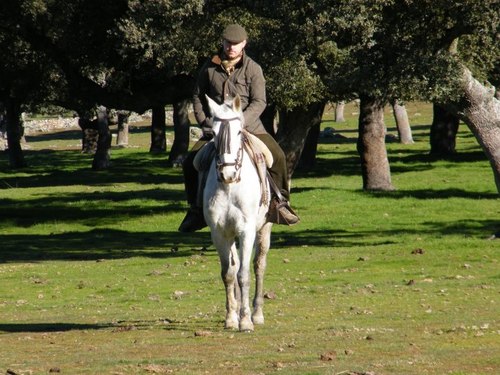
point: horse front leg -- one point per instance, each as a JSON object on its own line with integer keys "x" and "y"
{"x": 230, "y": 264}
{"x": 263, "y": 242}
{"x": 246, "y": 246}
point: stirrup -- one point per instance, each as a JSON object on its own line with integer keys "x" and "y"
{"x": 280, "y": 211}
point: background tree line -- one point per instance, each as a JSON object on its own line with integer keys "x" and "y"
{"x": 132, "y": 55}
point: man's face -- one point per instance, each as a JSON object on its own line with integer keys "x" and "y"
{"x": 233, "y": 50}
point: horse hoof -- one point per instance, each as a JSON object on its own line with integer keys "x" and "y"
{"x": 246, "y": 325}
{"x": 258, "y": 319}
{"x": 231, "y": 325}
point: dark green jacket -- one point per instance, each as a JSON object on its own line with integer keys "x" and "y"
{"x": 247, "y": 80}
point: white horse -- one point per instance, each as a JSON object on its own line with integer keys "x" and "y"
{"x": 234, "y": 208}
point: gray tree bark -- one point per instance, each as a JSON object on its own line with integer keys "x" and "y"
{"x": 480, "y": 110}
{"x": 339, "y": 111}
{"x": 402, "y": 123}
{"x": 102, "y": 156}
{"x": 122, "y": 136}
{"x": 375, "y": 168}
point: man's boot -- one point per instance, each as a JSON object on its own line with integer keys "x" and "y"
{"x": 287, "y": 214}
{"x": 280, "y": 212}
{"x": 193, "y": 221}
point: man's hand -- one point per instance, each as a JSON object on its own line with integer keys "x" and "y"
{"x": 206, "y": 128}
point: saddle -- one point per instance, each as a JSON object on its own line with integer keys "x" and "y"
{"x": 262, "y": 159}
{"x": 257, "y": 149}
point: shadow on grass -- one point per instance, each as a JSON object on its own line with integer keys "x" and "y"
{"x": 481, "y": 229}
{"x": 430, "y": 194}
{"x": 120, "y": 326}
{"x": 50, "y": 327}
{"x": 67, "y": 168}
{"x": 415, "y": 193}
{"x": 55, "y": 136}
{"x": 92, "y": 209}
{"x": 99, "y": 244}
{"x": 347, "y": 163}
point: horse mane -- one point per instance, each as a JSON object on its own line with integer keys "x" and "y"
{"x": 224, "y": 138}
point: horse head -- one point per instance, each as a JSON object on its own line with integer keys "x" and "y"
{"x": 227, "y": 126}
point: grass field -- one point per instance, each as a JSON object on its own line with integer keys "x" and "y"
{"x": 95, "y": 278}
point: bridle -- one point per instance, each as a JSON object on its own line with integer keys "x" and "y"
{"x": 223, "y": 146}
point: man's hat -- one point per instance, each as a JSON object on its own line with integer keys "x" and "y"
{"x": 234, "y": 33}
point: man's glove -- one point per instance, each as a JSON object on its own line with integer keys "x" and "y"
{"x": 206, "y": 128}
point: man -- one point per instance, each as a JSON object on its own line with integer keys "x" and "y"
{"x": 223, "y": 76}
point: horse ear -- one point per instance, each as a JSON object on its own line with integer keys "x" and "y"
{"x": 212, "y": 105}
{"x": 237, "y": 103}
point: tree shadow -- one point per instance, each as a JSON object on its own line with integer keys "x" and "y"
{"x": 69, "y": 168}
{"x": 50, "y": 327}
{"x": 119, "y": 326}
{"x": 332, "y": 238}
{"x": 62, "y": 135}
{"x": 411, "y": 157}
{"x": 431, "y": 194}
{"x": 347, "y": 163}
{"x": 101, "y": 244}
{"x": 102, "y": 207}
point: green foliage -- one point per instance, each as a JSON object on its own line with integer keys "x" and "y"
{"x": 483, "y": 61}
{"x": 158, "y": 35}
{"x": 292, "y": 82}
{"x": 96, "y": 279}
{"x": 123, "y": 47}
{"x": 383, "y": 48}
{"x": 328, "y": 49}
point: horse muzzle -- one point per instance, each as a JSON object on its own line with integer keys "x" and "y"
{"x": 228, "y": 174}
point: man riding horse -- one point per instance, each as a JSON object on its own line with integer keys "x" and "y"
{"x": 226, "y": 74}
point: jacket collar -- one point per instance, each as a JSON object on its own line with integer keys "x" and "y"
{"x": 216, "y": 59}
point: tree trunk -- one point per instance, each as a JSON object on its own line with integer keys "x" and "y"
{"x": 90, "y": 137}
{"x": 122, "y": 136}
{"x": 102, "y": 155}
{"x": 158, "y": 127}
{"x": 293, "y": 128}
{"x": 90, "y": 134}
{"x": 443, "y": 132}
{"x": 371, "y": 146}
{"x": 308, "y": 156}
{"x": 180, "y": 146}
{"x": 14, "y": 133}
{"x": 268, "y": 118}
{"x": 480, "y": 110}
{"x": 339, "y": 111}
{"x": 402, "y": 123}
